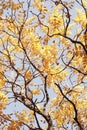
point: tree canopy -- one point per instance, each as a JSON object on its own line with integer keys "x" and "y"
{"x": 43, "y": 64}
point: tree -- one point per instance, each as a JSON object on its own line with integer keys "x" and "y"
{"x": 43, "y": 60}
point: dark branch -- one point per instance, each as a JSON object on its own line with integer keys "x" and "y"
{"x": 75, "y": 110}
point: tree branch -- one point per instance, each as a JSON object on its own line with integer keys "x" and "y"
{"x": 75, "y": 110}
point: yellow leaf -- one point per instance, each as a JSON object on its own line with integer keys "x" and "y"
{"x": 28, "y": 75}
{"x": 36, "y": 91}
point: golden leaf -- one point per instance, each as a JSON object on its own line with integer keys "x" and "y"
{"x": 28, "y": 75}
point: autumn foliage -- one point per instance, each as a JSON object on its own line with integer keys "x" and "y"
{"x": 43, "y": 64}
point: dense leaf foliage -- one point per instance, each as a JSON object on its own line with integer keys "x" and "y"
{"x": 43, "y": 60}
